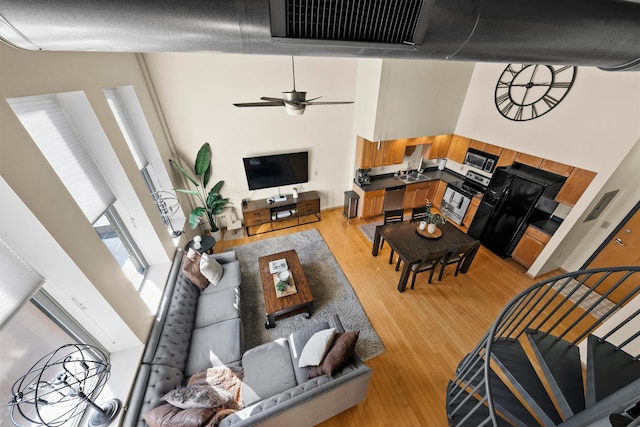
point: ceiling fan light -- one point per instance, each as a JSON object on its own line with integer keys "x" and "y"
{"x": 294, "y": 111}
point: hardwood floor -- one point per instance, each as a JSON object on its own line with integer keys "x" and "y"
{"x": 426, "y": 331}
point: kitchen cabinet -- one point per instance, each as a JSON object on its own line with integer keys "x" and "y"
{"x": 576, "y": 183}
{"x": 439, "y": 194}
{"x": 529, "y": 160}
{"x": 556, "y": 167}
{"x": 486, "y": 147}
{"x": 370, "y": 154}
{"x": 436, "y": 147}
{"x": 416, "y": 195}
{"x": 393, "y": 152}
{"x": 507, "y": 157}
{"x": 458, "y": 148}
{"x": 372, "y": 203}
{"x": 471, "y": 212}
{"x": 530, "y": 245}
{"x": 412, "y": 142}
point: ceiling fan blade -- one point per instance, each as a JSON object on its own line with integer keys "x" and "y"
{"x": 312, "y": 99}
{"x": 329, "y": 103}
{"x": 279, "y": 103}
{"x": 268, "y": 98}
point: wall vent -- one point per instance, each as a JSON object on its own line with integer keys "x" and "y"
{"x": 375, "y": 21}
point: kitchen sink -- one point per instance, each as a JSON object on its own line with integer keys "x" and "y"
{"x": 412, "y": 177}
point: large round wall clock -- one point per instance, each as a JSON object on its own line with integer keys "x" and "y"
{"x": 528, "y": 91}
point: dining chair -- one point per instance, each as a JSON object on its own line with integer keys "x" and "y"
{"x": 458, "y": 256}
{"x": 418, "y": 214}
{"x": 390, "y": 217}
{"x": 428, "y": 263}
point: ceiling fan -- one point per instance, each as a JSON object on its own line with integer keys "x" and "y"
{"x": 294, "y": 102}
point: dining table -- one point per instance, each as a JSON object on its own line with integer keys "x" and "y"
{"x": 411, "y": 246}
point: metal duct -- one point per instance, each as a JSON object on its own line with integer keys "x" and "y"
{"x": 600, "y": 33}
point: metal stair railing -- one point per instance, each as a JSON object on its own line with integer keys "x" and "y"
{"x": 563, "y": 306}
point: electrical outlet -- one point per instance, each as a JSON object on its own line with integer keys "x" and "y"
{"x": 605, "y": 224}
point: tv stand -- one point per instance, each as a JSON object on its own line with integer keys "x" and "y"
{"x": 265, "y": 215}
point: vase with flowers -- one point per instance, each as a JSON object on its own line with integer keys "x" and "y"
{"x": 433, "y": 219}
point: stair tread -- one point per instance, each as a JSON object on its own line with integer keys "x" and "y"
{"x": 515, "y": 363}
{"x": 476, "y": 418}
{"x": 561, "y": 363}
{"x": 608, "y": 369}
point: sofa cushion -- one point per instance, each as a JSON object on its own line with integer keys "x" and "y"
{"x": 316, "y": 348}
{"x": 340, "y": 354}
{"x": 211, "y": 269}
{"x": 218, "y": 306}
{"x": 215, "y": 345}
{"x": 267, "y": 371}
{"x": 297, "y": 341}
{"x": 191, "y": 269}
{"x": 197, "y": 396}
{"x": 168, "y": 415}
{"x": 230, "y": 277}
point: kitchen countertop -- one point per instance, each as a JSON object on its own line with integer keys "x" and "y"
{"x": 544, "y": 223}
{"x": 382, "y": 182}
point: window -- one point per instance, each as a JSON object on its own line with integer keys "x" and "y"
{"x": 54, "y": 134}
{"x": 126, "y": 109}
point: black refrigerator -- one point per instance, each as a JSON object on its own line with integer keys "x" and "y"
{"x": 507, "y": 204}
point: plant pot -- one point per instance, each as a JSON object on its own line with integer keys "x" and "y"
{"x": 217, "y": 235}
{"x": 431, "y": 228}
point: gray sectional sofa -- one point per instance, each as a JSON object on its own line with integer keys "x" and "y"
{"x": 195, "y": 330}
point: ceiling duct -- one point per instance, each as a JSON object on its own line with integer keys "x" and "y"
{"x": 596, "y": 33}
{"x": 376, "y": 21}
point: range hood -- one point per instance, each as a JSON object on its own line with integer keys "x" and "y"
{"x": 599, "y": 33}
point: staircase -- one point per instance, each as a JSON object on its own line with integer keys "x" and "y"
{"x": 527, "y": 369}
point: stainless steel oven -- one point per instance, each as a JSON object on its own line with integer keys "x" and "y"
{"x": 454, "y": 204}
{"x": 458, "y": 194}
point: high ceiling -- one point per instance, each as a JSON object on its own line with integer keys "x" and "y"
{"x": 602, "y": 33}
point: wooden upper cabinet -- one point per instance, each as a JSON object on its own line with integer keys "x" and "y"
{"x": 364, "y": 153}
{"x": 556, "y": 167}
{"x": 507, "y": 157}
{"x": 412, "y": 142}
{"x": 529, "y": 160}
{"x": 486, "y": 147}
{"x": 458, "y": 148}
{"x": 393, "y": 152}
{"x": 370, "y": 154}
{"x": 435, "y": 147}
{"x": 574, "y": 186}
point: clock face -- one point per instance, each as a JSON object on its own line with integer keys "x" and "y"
{"x": 527, "y": 91}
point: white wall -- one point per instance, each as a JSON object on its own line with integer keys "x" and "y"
{"x": 197, "y": 91}
{"x": 594, "y": 128}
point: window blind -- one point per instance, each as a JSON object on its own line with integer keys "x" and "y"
{"x": 126, "y": 127}
{"x": 52, "y": 131}
{"x": 18, "y": 283}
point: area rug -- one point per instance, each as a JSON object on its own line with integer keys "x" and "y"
{"x": 332, "y": 292}
{"x": 369, "y": 230}
{"x": 238, "y": 233}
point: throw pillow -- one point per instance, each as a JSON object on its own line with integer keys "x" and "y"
{"x": 211, "y": 269}
{"x": 168, "y": 415}
{"x": 316, "y": 348}
{"x": 197, "y": 396}
{"x": 191, "y": 269}
{"x": 339, "y": 355}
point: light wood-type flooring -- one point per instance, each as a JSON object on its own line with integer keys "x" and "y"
{"x": 426, "y": 331}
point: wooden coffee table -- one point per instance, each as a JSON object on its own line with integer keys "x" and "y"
{"x": 300, "y": 302}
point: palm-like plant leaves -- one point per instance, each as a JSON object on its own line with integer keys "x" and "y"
{"x": 214, "y": 202}
{"x": 203, "y": 163}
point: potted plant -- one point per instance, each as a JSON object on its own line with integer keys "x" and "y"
{"x": 433, "y": 219}
{"x": 211, "y": 202}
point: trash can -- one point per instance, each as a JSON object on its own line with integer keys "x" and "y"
{"x": 350, "y": 204}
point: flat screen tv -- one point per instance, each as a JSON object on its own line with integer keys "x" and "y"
{"x": 276, "y": 170}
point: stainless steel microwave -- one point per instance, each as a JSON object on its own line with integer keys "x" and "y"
{"x": 481, "y": 160}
